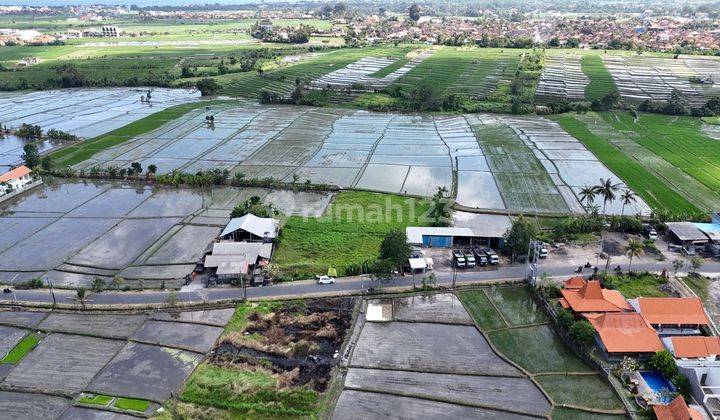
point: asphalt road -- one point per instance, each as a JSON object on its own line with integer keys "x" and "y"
{"x": 309, "y": 288}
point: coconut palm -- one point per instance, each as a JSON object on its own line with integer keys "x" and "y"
{"x": 634, "y": 249}
{"x": 587, "y": 196}
{"x": 606, "y": 189}
{"x": 627, "y": 197}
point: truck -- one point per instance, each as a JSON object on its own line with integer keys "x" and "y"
{"x": 469, "y": 259}
{"x": 458, "y": 259}
{"x": 480, "y": 257}
{"x": 492, "y": 256}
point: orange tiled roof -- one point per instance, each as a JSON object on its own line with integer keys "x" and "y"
{"x": 625, "y": 332}
{"x": 593, "y": 298}
{"x": 575, "y": 283}
{"x": 676, "y": 410}
{"x": 694, "y": 346}
{"x": 15, "y": 173}
{"x": 673, "y": 311}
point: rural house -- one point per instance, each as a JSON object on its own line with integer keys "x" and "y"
{"x": 624, "y": 334}
{"x": 676, "y": 410}
{"x": 592, "y": 298}
{"x": 672, "y": 316}
{"x": 16, "y": 179}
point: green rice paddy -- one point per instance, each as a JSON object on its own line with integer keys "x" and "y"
{"x": 601, "y": 82}
{"x": 657, "y": 193}
{"x": 519, "y": 330}
{"x": 25, "y": 346}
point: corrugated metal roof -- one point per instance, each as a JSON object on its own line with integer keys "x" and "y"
{"x": 415, "y": 234}
{"x": 686, "y": 231}
{"x": 712, "y": 230}
{"x": 258, "y": 226}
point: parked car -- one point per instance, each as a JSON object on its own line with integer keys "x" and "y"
{"x": 325, "y": 280}
{"x": 459, "y": 259}
{"x": 543, "y": 252}
{"x": 651, "y": 232}
{"x": 469, "y": 259}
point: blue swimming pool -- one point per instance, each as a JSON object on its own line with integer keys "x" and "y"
{"x": 657, "y": 382}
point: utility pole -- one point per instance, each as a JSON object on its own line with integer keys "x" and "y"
{"x": 52, "y": 292}
{"x": 454, "y": 267}
{"x": 533, "y": 251}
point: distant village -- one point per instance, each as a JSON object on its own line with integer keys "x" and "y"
{"x": 647, "y": 30}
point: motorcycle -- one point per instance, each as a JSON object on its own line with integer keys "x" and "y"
{"x": 579, "y": 269}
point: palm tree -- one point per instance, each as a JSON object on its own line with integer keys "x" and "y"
{"x": 634, "y": 249}
{"x": 627, "y": 197}
{"x": 587, "y": 196}
{"x": 607, "y": 190}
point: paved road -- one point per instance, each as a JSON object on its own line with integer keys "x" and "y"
{"x": 307, "y": 288}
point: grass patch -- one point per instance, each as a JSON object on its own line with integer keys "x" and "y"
{"x": 21, "y": 350}
{"x": 537, "y": 349}
{"x": 239, "y": 320}
{"x": 583, "y": 390}
{"x": 601, "y": 82}
{"x": 349, "y": 234}
{"x": 377, "y": 101}
{"x": 95, "y": 399}
{"x": 248, "y": 393}
{"x": 700, "y": 285}
{"x": 561, "y": 413}
{"x": 652, "y": 189}
{"x": 634, "y": 286}
{"x": 711, "y": 120}
{"x": 481, "y": 310}
{"x": 517, "y": 305}
{"x": 82, "y": 151}
{"x": 132, "y": 404}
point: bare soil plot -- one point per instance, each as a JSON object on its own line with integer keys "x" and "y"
{"x": 24, "y": 319}
{"x": 516, "y": 394}
{"x": 441, "y": 308}
{"x": 429, "y": 348}
{"x": 81, "y": 413}
{"x": 282, "y": 340}
{"x": 102, "y": 325}
{"x": 145, "y": 371}
{"x": 63, "y": 363}
{"x": 197, "y": 338}
{"x": 363, "y": 405}
{"x": 9, "y": 337}
{"x": 19, "y": 405}
{"x": 217, "y": 317}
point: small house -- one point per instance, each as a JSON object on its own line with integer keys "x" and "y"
{"x": 673, "y": 316}
{"x": 676, "y": 410}
{"x": 16, "y": 179}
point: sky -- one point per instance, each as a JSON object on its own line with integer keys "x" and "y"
{"x": 142, "y": 3}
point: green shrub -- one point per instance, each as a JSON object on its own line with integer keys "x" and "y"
{"x": 582, "y": 332}
{"x": 664, "y": 362}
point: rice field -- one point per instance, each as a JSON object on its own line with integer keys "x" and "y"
{"x": 130, "y": 230}
{"x": 520, "y": 331}
{"x": 601, "y": 82}
{"x": 475, "y": 72}
{"x": 640, "y": 78}
{"x": 562, "y": 79}
{"x": 617, "y": 152}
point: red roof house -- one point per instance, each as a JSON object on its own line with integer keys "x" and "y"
{"x": 592, "y": 298}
